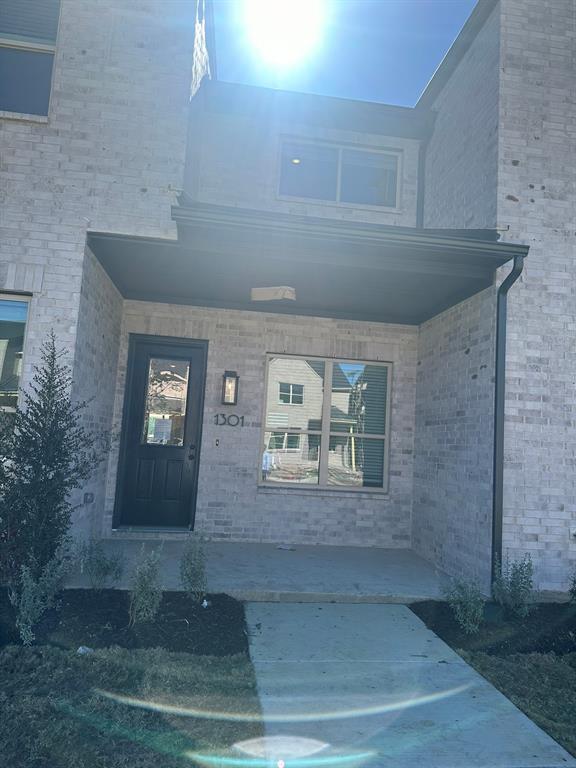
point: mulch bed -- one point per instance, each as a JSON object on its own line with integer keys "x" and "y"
{"x": 549, "y": 628}
{"x": 99, "y": 619}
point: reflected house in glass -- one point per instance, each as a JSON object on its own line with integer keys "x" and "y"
{"x": 166, "y": 396}
{"x": 325, "y": 444}
{"x": 151, "y": 234}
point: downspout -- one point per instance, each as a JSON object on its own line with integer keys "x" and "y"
{"x": 499, "y": 404}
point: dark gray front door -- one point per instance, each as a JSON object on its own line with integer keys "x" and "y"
{"x": 161, "y": 432}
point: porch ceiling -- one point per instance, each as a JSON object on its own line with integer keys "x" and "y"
{"x": 338, "y": 269}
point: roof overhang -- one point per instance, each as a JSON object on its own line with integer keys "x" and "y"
{"x": 338, "y": 269}
{"x": 262, "y": 105}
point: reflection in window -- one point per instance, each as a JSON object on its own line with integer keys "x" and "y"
{"x": 292, "y": 443}
{"x": 283, "y": 441}
{"x": 368, "y": 178}
{"x": 309, "y": 170}
{"x": 338, "y": 437}
{"x": 291, "y": 394}
{"x": 289, "y": 459}
{"x": 12, "y": 325}
{"x": 165, "y": 409}
{"x": 358, "y": 395}
{"x": 355, "y": 461}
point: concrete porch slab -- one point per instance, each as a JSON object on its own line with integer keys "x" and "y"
{"x": 263, "y": 572}
{"x": 370, "y": 685}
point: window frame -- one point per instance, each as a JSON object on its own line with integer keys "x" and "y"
{"x": 33, "y": 46}
{"x": 27, "y": 298}
{"x": 290, "y": 393}
{"x": 325, "y": 433}
{"x": 285, "y": 435}
{"x": 397, "y": 152}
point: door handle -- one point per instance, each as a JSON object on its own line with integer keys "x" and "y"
{"x": 192, "y": 453}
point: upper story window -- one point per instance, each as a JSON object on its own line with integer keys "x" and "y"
{"x": 27, "y": 44}
{"x": 13, "y": 314}
{"x": 339, "y": 174}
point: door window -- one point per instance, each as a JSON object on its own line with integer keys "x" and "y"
{"x": 165, "y": 404}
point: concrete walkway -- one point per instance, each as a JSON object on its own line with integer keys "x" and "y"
{"x": 265, "y": 572}
{"x": 371, "y": 685}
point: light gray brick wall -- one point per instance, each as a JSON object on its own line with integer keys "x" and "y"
{"x": 453, "y": 447}
{"x": 237, "y": 163}
{"x": 533, "y": 202}
{"x": 230, "y": 504}
{"x": 462, "y": 155}
{"x": 454, "y": 412}
{"x": 95, "y": 371}
{"x": 537, "y": 201}
{"x": 110, "y": 156}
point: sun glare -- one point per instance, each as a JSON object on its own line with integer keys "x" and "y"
{"x": 283, "y": 33}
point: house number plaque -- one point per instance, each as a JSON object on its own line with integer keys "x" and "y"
{"x": 228, "y": 420}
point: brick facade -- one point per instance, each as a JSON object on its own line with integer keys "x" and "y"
{"x": 462, "y": 154}
{"x": 452, "y": 514}
{"x": 250, "y": 179}
{"x": 503, "y": 155}
{"x": 230, "y": 505}
{"x": 111, "y": 157}
{"x": 537, "y": 201}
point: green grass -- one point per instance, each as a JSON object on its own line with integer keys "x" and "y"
{"x": 54, "y": 711}
{"x": 542, "y": 685}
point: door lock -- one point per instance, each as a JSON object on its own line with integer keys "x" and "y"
{"x": 192, "y": 453}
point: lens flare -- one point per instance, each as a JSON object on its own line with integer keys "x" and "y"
{"x": 279, "y": 748}
{"x": 329, "y": 761}
{"x": 288, "y": 717}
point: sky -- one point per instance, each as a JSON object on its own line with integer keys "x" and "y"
{"x": 372, "y": 50}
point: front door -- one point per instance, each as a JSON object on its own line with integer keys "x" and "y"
{"x": 161, "y": 432}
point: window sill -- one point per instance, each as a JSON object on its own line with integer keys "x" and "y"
{"x": 314, "y": 490}
{"x": 21, "y": 116}
{"x": 339, "y": 206}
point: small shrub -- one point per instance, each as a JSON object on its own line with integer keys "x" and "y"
{"x": 33, "y": 595}
{"x": 513, "y": 586}
{"x": 99, "y": 567}
{"x": 146, "y": 594}
{"x": 467, "y": 603}
{"x": 193, "y": 569}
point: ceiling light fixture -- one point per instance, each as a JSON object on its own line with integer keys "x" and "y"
{"x": 273, "y": 293}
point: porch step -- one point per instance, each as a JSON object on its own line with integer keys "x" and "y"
{"x": 300, "y": 574}
{"x": 153, "y": 534}
{"x": 273, "y": 596}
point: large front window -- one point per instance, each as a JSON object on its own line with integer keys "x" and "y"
{"x": 338, "y": 437}
{"x": 12, "y": 325}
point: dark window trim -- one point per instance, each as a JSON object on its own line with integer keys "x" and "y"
{"x": 397, "y": 152}
{"x": 326, "y": 432}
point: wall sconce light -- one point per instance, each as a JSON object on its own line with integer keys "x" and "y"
{"x": 230, "y": 388}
